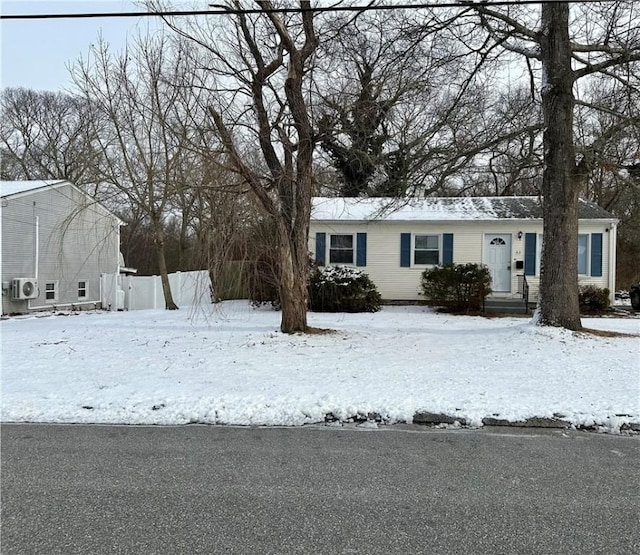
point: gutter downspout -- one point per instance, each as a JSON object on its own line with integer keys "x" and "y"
{"x": 118, "y": 281}
{"x": 613, "y": 234}
{"x": 36, "y": 251}
{"x": 36, "y": 247}
{"x": 2, "y": 203}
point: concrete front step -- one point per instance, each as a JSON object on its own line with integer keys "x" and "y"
{"x": 505, "y": 306}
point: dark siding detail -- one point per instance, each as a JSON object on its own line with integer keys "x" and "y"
{"x": 405, "y": 250}
{"x": 321, "y": 248}
{"x": 447, "y": 248}
{"x": 361, "y": 249}
{"x": 596, "y": 254}
{"x": 530, "y": 254}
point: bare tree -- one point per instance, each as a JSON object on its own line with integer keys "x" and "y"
{"x": 614, "y": 147}
{"x": 402, "y": 111}
{"x": 601, "y": 39}
{"x": 146, "y": 140}
{"x": 46, "y": 135}
{"x": 258, "y": 66}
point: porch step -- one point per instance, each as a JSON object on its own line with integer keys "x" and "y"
{"x": 506, "y": 306}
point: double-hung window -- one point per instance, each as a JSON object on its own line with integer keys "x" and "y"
{"x": 586, "y": 254}
{"x": 341, "y": 249}
{"x": 426, "y": 250}
{"x": 51, "y": 291}
{"x": 583, "y": 254}
{"x": 83, "y": 289}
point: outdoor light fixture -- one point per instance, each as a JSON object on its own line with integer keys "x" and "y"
{"x": 520, "y": 235}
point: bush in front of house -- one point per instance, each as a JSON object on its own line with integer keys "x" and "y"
{"x": 593, "y": 299}
{"x": 342, "y": 289}
{"x": 458, "y": 287}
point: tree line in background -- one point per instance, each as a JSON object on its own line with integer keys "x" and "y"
{"x": 210, "y": 137}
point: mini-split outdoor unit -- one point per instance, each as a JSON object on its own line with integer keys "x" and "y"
{"x": 25, "y": 288}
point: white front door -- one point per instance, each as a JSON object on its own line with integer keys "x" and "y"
{"x": 498, "y": 259}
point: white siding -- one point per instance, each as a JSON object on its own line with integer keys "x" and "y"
{"x": 403, "y": 284}
{"x": 602, "y": 281}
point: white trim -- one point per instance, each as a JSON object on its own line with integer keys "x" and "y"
{"x": 354, "y": 247}
{"x": 539, "y": 241}
{"x": 613, "y": 231}
{"x": 34, "y": 186}
{"x": 413, "y": 249}
{"x": 54, "y": 185}
{"x": 86, "y": 289}
{"x": 587, "y": 255}
{"x": 485, "y": 248}
{"x": 56, "y": 290}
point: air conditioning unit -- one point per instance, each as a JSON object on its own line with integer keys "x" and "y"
{"x": 25, "y": 288}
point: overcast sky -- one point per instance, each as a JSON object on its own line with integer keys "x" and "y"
{"x": 36, "y": 53}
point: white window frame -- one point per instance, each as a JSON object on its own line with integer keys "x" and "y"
{"x": 539, "y": 253}
{"x": 413, "y": 249}
{"x": 47, "y": 291}
{"x": 86, "y": 289}
{"x": 354, "y": 247}
{"x": 587, "y": 254}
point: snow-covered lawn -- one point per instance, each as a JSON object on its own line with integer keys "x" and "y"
{"x": 229, "y": 364}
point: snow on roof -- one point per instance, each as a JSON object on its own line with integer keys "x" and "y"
{"x": 440, "y": 209}
{"x": 8, "y": 188}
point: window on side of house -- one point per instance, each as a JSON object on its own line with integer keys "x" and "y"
{"x": 341, "y": 249}
{"x": 83, "y": 289}
{"x": 426, "y": 250}
{"x": 583, "y": 254}
{"x": 539, "y": 254}
{"x": 51, "y": 291}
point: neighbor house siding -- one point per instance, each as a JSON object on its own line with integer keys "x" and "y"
{"x": 601, "y": 280}
{"x": 383, "y": 252}
{"x": 17, "y": 239}
{"x": 597, "y": 281}
{"x": 78, "y": 240}
{"x": 403, "y": 283}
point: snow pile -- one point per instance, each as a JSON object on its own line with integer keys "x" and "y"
{"x": 229, "y": 364}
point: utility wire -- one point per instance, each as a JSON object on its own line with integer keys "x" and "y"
{"x": 222, "y": 10}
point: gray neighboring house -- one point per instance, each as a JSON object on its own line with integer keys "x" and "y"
{"x": 56, "y": 242}
{"x": 395, "y": 240}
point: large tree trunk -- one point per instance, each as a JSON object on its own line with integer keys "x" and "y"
{"x": 560, "y": 184}
{"x": 158, "y": 240}
{"x": 285, "y": 194}
{"x": 293, "y": 282}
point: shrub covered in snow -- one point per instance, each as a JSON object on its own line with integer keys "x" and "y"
{"x": 342, "y": 289}
{"x": 593, "y": 299}
{"x": 459, "y": 287}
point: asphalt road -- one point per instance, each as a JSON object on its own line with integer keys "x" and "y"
{"x": 197, "y": 489}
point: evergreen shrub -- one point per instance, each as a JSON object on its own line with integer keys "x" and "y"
{"x": 593, "y": 299}
{"x": 342, "y": 289}
{"x": 458, "y": 287}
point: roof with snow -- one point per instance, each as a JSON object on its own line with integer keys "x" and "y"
{"x": 8, "y": 188}
{"x": 441, "y": 209}
{"x": 11, "y": 188}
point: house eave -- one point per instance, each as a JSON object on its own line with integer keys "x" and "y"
{"x": 56, "y": 184}
{"x": 594, "y": 221}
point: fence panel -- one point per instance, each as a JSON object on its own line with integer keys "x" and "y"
{"x": 145, "y": 292}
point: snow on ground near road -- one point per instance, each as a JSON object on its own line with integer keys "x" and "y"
{"x": 229, "y": 364}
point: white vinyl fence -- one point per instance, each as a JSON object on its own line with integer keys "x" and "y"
{"x": 145, "y": 292}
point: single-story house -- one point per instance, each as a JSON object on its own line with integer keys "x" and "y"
{"x": 56, "y": 242}
{"x": 394, "y": 240}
